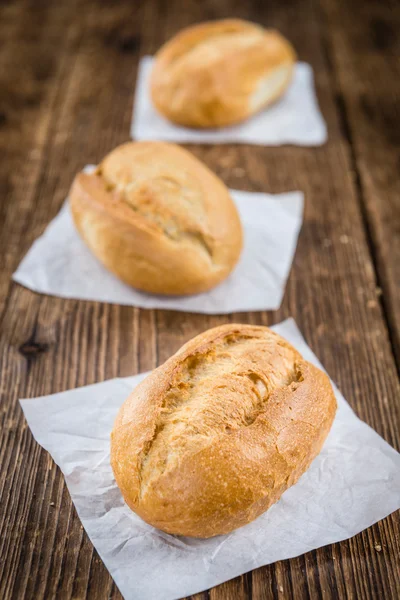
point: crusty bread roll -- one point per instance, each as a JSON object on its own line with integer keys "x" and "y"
{"x": 214, "y": 436}
{"x": 158, "y": 218}
{"x": 220, "y": 73}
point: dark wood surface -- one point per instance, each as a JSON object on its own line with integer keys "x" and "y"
{"x": 67, "y": 73}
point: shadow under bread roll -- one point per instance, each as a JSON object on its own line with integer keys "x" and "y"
{"x": 209, "y": 440}
{"x": 219, "y": 73}
{"x": 158, "y": 218}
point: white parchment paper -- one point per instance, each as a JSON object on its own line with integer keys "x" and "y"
{"x": 293, "y": 119}
{"x": 60, "y": 264}
{"x": 354, "y": 482}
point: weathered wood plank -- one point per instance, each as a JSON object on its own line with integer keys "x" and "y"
{"x": 36, "y": 43}
{"x": 364, "y": 44}
{"x": 50, "y": 344}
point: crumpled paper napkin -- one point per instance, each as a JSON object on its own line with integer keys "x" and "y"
{"x": 293, "y": 119}
{"x": 354, "y": 482}
{"x": 60, "y": 264}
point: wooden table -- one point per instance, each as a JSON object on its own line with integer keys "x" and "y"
{"x": 67, "y": 73}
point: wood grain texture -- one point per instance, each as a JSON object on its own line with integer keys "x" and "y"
{"x": 364, "y": 45}
{"x": 69, "y": 104}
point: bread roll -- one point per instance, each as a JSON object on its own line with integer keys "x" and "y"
{"x": 214, "y": 436}
{"x": 220, "y": 73}
{"x": 158, "y": 218}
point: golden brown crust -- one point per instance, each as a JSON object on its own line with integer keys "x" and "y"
{"x": 220, "y": 73}
{"x": 214, "y": 436}
{"x": 158, "y": 218}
